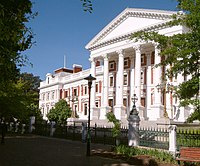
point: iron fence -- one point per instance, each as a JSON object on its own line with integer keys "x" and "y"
{"x": 154, "y": 137}
{"x": 149, "y": 137}
{"x": 188, "y": 137}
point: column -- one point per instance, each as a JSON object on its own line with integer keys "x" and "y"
{"x": 105, "y": 81}
{"x": 119, "y": 108}
{"x": 94, "y": 111}
{"x": 132, "y": 82}
{"x": 138, "y": 75}
{"x": 157, "y": 74}
{"x": 93, "y": 89}
{"x": 105, "y": 106}
{"x": 148, "y": 89}
{"x": 158, "y": 109}
{"x": 172, "y": 139}
{"x": 120, "y": 79}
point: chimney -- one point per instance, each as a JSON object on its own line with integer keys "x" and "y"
{"x": 77, "y": 68}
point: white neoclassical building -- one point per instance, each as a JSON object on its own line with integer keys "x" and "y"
{"x": 122, "y": 68}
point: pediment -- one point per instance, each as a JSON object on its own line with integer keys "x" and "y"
{"x": 129, "y": 21}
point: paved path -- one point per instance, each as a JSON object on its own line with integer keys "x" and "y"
{"x": 43, "y": 151}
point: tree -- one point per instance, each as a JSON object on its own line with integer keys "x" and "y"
{"x": 60, "y": 112}
{"x": 30, "y": 90}
{"x": 21, "y": 100}
{"x": 87, "y": 5}
{"x": 15, "y": 38}
{"x": 181, "y": 52}
{"x": 116, "y": 129}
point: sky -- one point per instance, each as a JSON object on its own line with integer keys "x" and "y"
{"x": 62, "y": 28}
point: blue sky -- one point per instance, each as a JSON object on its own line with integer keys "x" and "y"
{"x": 63, "y": 28}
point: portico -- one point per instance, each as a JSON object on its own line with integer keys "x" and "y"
{"x": 129, "y": 66}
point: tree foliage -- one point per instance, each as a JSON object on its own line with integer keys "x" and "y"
{"x": 60, "y": 112}
{"x": 116, "y": 129}
{"x": 181, "y": 51}
{"x": 15, "y": 37}
{"x": 87, "y": 5}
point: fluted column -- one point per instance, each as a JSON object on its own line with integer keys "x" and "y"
{"x": 138, "y": 74}
{"x": 158, "y": 107}
{"x": 93, "y": 89}
{"x": 105, "y": 81}
{"x": 119, "y": 109}
{"x": 157, "y": 76}
{"x": 132, "y": 82}
{"x": 148, "y": 89}
{"x": 120, "y": 79}
{"x": 105, "y": 106}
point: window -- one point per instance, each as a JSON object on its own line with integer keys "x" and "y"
{"x": 126, "y": 63}
{"x": 97, "y": 104}
{"x": 85, "y": 90}
{"x": 125, "y": 102}
{"x": 48, "y": 96}
{"x": 97, "y": 89}
{"x": 110, "y": 102}
{"x": 75, "y": 109}
{"x": 111, "y": 81}
{"x": 125, "y": 79}
{"x": 43, "y": 96}
{"x": 112, "y": 65}
{"x": 42, "y": 110}
{"x": 142, "y": 77}
{"x": 52, "y": 95}
{"x": 66, "y": 94}
{"x": 142, "y": 58}
{"x": 75, "y": 92}
{"x": 47, "y": 109}
{"x": 85, "y": 109}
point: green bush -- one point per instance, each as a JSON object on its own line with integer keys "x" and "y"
{"x": 158, "y": 155}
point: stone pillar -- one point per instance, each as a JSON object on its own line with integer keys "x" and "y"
{"x": 105, "y": 106}
{"x": 138, "y": 75}
{"x": 119, "y": 108}
{"x": 172, "y": 139}
{"x": 93, "y": 89}
{"x": 94, "y": 110}
{"x": 148, "y": 89}
{"x": 132, "y": 82}
{"x": 31, "y": 123}
{"x": 157, "y": 80}
{"x": 133, "y": 131}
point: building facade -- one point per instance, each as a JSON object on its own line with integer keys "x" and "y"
{"x": 122, "y": 68}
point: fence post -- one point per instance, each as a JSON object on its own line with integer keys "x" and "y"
{"x": 172, "y": 139}
{"x": 133, "y": 131}
{"x": 31, "y": 123}
{"x": 52, "y": 129}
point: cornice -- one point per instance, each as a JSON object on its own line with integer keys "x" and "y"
{"x": 129, "y": 12}
{"x": 127, "y": 36}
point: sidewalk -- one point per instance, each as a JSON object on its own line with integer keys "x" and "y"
{"x": 43, "y": 151}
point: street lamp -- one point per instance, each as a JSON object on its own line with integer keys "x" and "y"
{"x": 134, "y": 100}
{"x": 90, "y": 79}
{"x": 165, "y": 88}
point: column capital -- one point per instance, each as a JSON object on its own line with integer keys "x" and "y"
{"x": 105, "y": 56}
{"x": 120, "y": 52}
{"x": 137, "y": 48}
{"x": 92, "y": 59}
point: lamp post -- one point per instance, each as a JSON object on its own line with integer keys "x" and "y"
{"x": 73, "y": 99}
{"x": 133, "y": 125}
{"x": 89, "y": 79}
{"x": 134, "y": 100}
{"x": 165, "y": 88}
